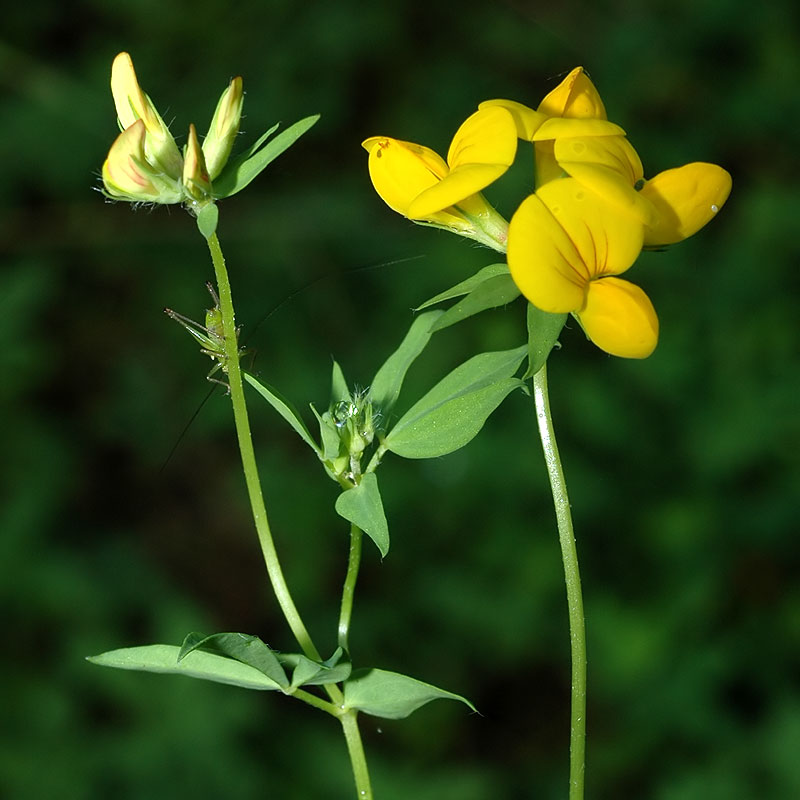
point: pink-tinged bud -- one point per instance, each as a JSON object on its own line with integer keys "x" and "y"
{"x": 127, "y": 174}
{"x": 224, "y": 127}
{"x": 196, "y": 182}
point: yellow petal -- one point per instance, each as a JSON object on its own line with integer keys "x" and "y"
{"x": 610, "y": 167}
{"x": 459, "y": 185}
{"x": 526, "y": 119}
{"x": 556, "y": 127}
{"x": 482, "y": 150}
{"x": 132, "y": 104}
{"x": 402, "y": 170}
{"x": 575, "y": 96}
{"x": 685, "y": 199}
{"x": 489, "y": 136}
{"x": 619, "y": 318}
{"x": 615, "y": 152}
{"x": 543, "y": 261}
{"x": 607, "y": 240}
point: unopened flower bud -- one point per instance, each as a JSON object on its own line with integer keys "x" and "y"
{"x": 224, "y": 128}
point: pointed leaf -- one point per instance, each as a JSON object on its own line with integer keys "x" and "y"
{"x": 285, "y": 409}
{"x": 339, "y": 390}
{"x": 198, "y": 664}
{"x": 391, "y": 695}
{"x": 465, "y": 287}
{"x": 452, "y": 425}
{"x": 242, "y": 170}
{"x": 312, "y": 673}
{"x": 543, "y": 332}
{"x": 240, "y": 647}
{"x": 452, "y": 413}
{"x": 362, "y": 506}
{"x": 388, "y": 380}
{"x": 497, "y": 291}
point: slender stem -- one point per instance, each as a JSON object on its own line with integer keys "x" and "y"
{"x": 353, "y": 563}
{"x": 248, "y": 455}
{"x": 569, "y": 555}
{"x": 355, "y": 748}
{"x": 317, "y": 702}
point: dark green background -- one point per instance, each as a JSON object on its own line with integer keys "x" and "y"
{"x": 683, "y": 469}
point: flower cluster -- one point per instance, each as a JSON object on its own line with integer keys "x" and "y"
{"x": 145, "y": 165}
{"x": 591, "y": 214}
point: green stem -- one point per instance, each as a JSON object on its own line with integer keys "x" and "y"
{"x": 569, "y": 555}
{"x": 355, "y": 748}
{"x": 243, "y": 434}
{"x": 353, "y": 563}
{"x": 317, "y": 702}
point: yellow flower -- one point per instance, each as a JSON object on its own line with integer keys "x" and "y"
{"x": 416, "y": 182}
{"x": 572, "y": 136}
{"x": 566, "y": 246}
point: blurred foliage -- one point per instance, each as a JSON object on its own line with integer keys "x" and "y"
{"x": 683, "y": 469}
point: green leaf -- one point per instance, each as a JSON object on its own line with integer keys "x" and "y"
{"x": 362, "y": 506}
{"x": 242, "y": 170}
{"x": 386, "y": 385}
{"x": 465, "y": 287}
{"x": 543, "y": 332}
{"x": 242, "y": 647}
{"x": 198, "y": 664}
{"x": 314, "y": 673}
{"x": 391, "y": 695}
{"x": 453, "y": 412}
{"x": 496, "y": 291}
{"x": 207, "y": 219}
{"x": 285, "y": 409}
{"x": 339, "y": 390}
{"x": 452, "y": 425}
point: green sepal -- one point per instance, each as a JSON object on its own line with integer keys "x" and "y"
{"x": 362, "y": 506}
{"x": 339, "y": 390}
{"x": 240, "y": 647}
{"x": 240, "y": 171}
{"x": 329, "y": 435}
{"x": 391, "y": 695}
{"x": 468, "y": 285}
{"x": 306, "y": 672}
{"x": 163, "y": 658}
{"x": 285, "y": 409}
{"x": 543, "y": 332}
{"x": 388, "y": 380}
{"x": 207, "y": 219}
{"x": 452, "y": 413}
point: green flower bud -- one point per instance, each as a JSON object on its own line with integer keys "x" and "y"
{"x": 224, "y": 128}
